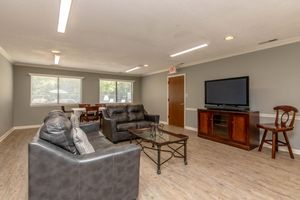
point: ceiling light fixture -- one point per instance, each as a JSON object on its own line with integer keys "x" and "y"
{"x": 64, "y": 11}
{"x": 189, "y": 50}
{"x": 56, "y": 59}
{"x": 229, "y": 37}
{"x": 135, "y": 68}
{"x": 55, "y": 51}
{"x": 145, "y": 65}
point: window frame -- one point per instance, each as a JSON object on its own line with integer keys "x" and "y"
{"x": 58, "y": 80}
{"x": 116, "y": 83}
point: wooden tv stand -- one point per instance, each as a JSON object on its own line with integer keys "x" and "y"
{"x": 235, "y": 128}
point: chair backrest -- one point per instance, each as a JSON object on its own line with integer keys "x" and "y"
{"x": 83, "y": 105}
{"x": 63, "y": 109}
{"x": 92, "y": 109}
{"x": 285, "y": 116}
{"x": 100, "y": 104}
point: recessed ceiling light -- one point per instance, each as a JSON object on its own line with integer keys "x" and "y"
{"x": 189, "y": 50}
{"x": 229, "y": 37}
{"x": 135, "y": 68}
{"x": 64, "y": 11}
{"x": 55, "y": 51}
{"x": 56, "y": 59}
{"x": 145, "y": 65}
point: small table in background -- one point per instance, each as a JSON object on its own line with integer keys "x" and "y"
{"x": 79, "y": 111}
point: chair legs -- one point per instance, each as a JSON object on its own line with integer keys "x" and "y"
{"x": 288, "y": 145}
{"x": 274, "y": 144}
{"x": 263, "y": 140}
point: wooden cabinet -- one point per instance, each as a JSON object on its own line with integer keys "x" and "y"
{"x": 204, "y": 122}
{"x": 239, "y": 128}
{"x": 234, "y": 128}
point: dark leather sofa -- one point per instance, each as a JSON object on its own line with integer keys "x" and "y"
{"x": 110, "y": 173}
{"x": 118, "y": 119}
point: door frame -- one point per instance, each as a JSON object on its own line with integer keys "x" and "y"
{"x": 184, "y": 95}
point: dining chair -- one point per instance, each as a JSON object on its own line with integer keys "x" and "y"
{"x": 91, "y": 114}
{"x": 67, "y": 112}
{"x": 83, "y": 105}
{"x": 101, "y": 105}
{"x": 284, "y": 122}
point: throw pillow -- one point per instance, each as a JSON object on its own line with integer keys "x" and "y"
{"x": 57, "y": 130}
{"x": 74, "y": 120}
{"x": 55, "y": 113}
{"x": 81, "y": 141}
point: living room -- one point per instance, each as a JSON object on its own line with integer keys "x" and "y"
{"x": 142, "y": 47}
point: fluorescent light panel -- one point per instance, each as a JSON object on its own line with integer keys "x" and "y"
{"x": 65, "y": 6}
{"x": 56, "y": 59}
{"x": 189, "y": 50}
{"x": 135, "y": 68}
{"x": 229, "y": 37}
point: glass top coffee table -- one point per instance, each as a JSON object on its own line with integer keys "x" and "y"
{"x": 159, "y": 138}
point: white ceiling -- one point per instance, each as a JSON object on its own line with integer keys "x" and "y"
{"x": 116, "y": 35}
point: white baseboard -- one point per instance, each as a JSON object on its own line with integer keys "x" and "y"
{"x": 27, "y": 127}
{"x": 6, "y": 134}
{"x": 191, "y": 128}
{"x": 285, "y": 149}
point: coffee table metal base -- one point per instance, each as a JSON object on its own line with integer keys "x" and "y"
{"x": 174, "y": 152}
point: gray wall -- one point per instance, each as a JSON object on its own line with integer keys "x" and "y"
{"x": 24, "y": 114}
{"x": 274, "y": 79}
{"x": 6, "y": 95}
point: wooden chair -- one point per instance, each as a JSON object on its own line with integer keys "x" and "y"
{"x": 68, "y": 112}
{"x": 284, "y": 122}
{"x": 83, "y": 105}
{"x": 92, "y": 113}
{"x": 100, "y": 112}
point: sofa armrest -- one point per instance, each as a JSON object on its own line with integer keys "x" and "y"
{"x": 109, "y": 128}
{"x": 111, "y": 173}
{"x": 152, "y": 118}
{"x": 52, "y": 165}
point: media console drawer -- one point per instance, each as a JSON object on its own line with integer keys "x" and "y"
{"x": 234, "y": 128}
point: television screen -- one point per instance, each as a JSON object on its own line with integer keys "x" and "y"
{"x": 233, "y": 91}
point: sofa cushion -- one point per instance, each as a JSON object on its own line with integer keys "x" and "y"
{"x": 81, "y": 142}
{"x": 57, "y": 130}
{"x": 126, "y": 126}
{"x": 135, "y": 112}
{"x": 99, "y": 143}
{"x": 143, "y": 124}
{"x": 118, "y": 113}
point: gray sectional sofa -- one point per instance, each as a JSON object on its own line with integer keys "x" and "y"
{"x": 110, "y": 173}
{"x": 118, "y": 119}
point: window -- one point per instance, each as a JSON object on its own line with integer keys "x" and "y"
{"x": 112, "y": 91}
{"x": 55, "y": 90}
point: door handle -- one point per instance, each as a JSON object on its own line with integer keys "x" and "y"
{"x": 181, "y": 104}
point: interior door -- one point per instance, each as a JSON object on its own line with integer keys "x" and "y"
{"x": 176, "y": 100}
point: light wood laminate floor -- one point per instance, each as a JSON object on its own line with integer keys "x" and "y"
{"x": 214, "y": 171}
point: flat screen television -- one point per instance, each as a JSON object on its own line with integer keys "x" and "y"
{"x": 230, "y": 93}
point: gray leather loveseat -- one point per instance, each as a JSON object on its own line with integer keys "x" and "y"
{"x": 118, "y": 119}
{"x": 110, "y": 173}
